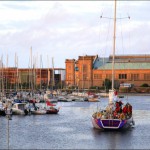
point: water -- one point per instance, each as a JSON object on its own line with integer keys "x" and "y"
{"x": 72, "y": 129}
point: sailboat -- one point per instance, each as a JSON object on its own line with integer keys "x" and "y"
{"x": 113, "y": 116}
{"x": 50, "y": 108}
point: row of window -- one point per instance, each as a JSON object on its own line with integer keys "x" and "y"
{"x": 121, "y": 76}
{"x": 97, "y": 76}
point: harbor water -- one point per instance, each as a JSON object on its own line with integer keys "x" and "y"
{"x": 72, "y": 128}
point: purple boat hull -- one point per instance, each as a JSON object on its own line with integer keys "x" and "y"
{"x": 112, "y": 123}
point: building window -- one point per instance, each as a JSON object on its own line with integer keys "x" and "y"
{"x": 109, "y": 76}
{"x": 76, "y": 69}
{"x": 134, "y": 76}
{"x": 97, "y": 76}
{"x": 122, "y": 76}
{"x": 146, "y": 76}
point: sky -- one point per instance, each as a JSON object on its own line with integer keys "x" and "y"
{"x": 68, "y": 29}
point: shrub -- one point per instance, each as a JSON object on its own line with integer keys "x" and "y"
{"x": 145, "y": 85}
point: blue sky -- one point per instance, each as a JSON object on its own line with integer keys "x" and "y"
{"x": 68, "y": 29}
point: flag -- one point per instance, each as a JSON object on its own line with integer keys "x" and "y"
{"x": 49, "y": 103}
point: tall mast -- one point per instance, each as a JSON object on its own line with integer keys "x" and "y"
{"x": 7, "y": 73}
{"x": 48, "y": 75}
{"x": 114, "y": 46}
{"x": 53, "y": 82}
{"x": 83, "y": 73}
{"x": 31, "y": 76}
{"x": 2, "y": 77}
{"x": 40, "y": 70}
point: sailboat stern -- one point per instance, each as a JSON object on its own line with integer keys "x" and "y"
{"x": 110, "y": 123}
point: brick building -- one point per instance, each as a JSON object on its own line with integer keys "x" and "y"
{"x": 90, "y": 71}
{"x": 12, "y": 77}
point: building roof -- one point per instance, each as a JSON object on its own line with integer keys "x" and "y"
{"x": 131, "y": 58}
{"x": 132, "y": 63}
{"x": 119, "y": 66}
{"x": 99, "y": 62}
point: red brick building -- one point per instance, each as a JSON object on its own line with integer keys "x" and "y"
{"x": 90, "y": 71}
{"x": 12, "y": 77}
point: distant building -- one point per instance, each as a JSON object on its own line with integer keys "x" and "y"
{"x": 89, "y": 71}
{"x": 27, "y": 78}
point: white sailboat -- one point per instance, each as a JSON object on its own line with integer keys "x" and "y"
{"x": 114, "y": 116}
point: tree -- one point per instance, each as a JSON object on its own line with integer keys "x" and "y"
{"x": 107, "y": 84}
{"x": 145, "y": 85}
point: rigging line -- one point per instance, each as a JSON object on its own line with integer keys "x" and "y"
{"x": 108, "y": 32}
{"x": 122, "y": 41}
{"x": 129, "y": 34}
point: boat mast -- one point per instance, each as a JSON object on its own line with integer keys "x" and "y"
{"x": 53, "y": 73}
{"x": 114, "y": 46}
{"x": 48, "y": 75}
{"x": 31, "y": 79}
{"x": 40, "y": 70}
{"x": 2, "y": 78}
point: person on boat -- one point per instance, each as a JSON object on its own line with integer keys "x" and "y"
{"x": 117, "y": 107}
{"x": 124, "y": 109}
{"x": 129, "y": 110}
{"x": 120, "y": 105}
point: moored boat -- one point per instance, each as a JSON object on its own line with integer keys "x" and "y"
{"x": 51, "y": 108}
{"x": 2, "y": 110}
{"x": 19, "y": 109}
{"x": 39, "y": 112}
{"x": 114, "y": 116}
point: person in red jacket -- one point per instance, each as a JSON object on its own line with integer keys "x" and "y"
{"x": 124, "y": 109}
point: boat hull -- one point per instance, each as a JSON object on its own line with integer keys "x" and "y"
{"x": 39, "y": 112}
{"x": 52, "y": 111}
{"x": 112, "y": 124}
{"x": 18, "y": 112}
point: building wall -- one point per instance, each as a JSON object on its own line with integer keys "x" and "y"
{"x": 12, "y": 77}
{"x": 86, "y": 76}
{"x": 70, "y": 72}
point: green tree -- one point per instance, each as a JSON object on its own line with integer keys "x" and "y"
{"x": 107, "y": 84}
{"x": 145, "y": 85}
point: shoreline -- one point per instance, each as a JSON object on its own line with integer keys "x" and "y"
{"x": 134, "y": 94}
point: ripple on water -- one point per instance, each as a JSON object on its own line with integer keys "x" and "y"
{"x": 72, "y": 129}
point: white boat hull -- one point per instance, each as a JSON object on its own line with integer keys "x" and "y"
{"x": 17, "y": 112}
{"x": 39, "y": 112}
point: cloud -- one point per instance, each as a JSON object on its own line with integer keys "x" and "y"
{"x": 65, "y": 30}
